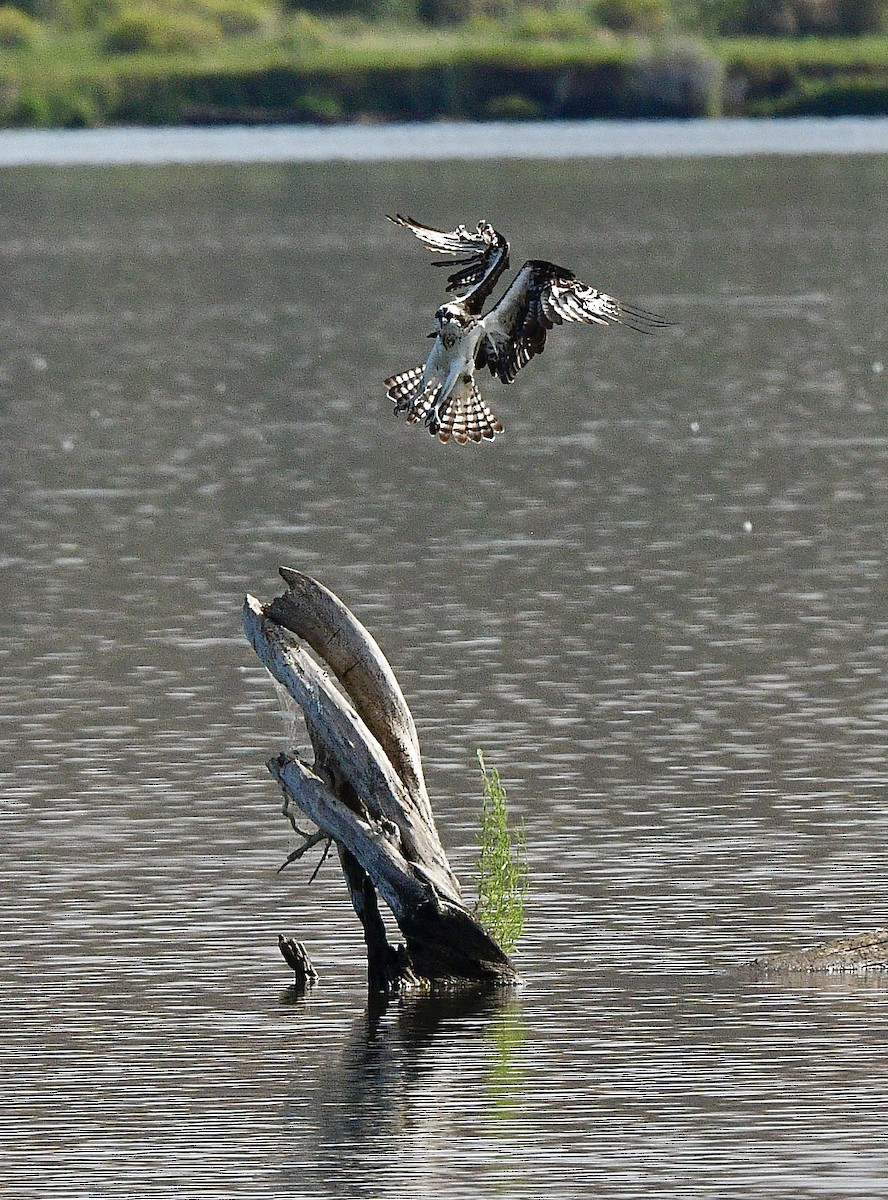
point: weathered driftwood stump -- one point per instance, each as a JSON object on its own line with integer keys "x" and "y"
{"x": 295, "y": 956}
{"x": 858, "y": 953}
{"x": 365, "y": 790}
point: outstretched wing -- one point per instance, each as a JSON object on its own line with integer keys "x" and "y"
{"x": 484, "y": 255}
{"x": 541, "y": 296}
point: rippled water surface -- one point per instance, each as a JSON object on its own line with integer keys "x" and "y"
{"x": 657, "y": 602}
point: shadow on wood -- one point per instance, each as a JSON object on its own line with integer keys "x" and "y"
{"x": 365, "y": 789}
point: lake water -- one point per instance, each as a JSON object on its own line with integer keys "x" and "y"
{"x": 657, "y": 602}
{"x": 441, "y": 140}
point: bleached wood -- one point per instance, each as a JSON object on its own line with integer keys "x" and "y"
{"x": 372, "y": 843}
{"x": 355, "y": 792}
{"x": 316, "y": 615}
{"x": 353, "y": 747}
{"x": 443, "y": 938}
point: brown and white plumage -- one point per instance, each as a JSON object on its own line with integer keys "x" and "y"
{"x": 443, "y": 393}
{"x": 484, "y": 253}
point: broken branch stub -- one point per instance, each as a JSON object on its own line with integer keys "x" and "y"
{"x": 366, "y": 789}
{"x": 295, "y": 956}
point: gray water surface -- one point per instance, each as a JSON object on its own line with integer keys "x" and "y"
{"x": 657, "y": 602}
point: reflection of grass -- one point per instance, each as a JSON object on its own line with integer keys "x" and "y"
{"x": 502, "y": 865}
{"x": 506, "y": 1076}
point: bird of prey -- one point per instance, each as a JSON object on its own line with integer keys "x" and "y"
{"x": 443, "y": 393}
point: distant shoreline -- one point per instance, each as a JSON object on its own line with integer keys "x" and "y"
{"x": 443, "y": 141}
{"x": 72, "y": 82}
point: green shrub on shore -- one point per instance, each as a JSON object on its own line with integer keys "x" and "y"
{"x": 148, "y": 28}
{"x": 302, "y": 30}
{"x": 17, "y": 29}
{"x": 536, "y": 23}
{"x": 512, "y": 108}
{"x": 678, "y": 78}
{"x": 853, "y": 96}
{"x": 634, "y": 16}
{"x": 793, "y": 18}
{"x": 240, "y": 18}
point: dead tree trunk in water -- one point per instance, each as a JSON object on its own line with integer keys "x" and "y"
{"x": 366, "y": 791}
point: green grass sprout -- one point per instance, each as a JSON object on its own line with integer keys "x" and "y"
{"x": 502, "y": 865}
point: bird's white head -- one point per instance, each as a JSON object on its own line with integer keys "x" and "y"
{"x": 450, "y": 322}
{"x": 452, "y": 313}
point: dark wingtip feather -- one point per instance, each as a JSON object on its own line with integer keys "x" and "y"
{"x": 641, "y": 320}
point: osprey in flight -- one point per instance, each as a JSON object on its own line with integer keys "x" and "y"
{"x": 443, "y": 394}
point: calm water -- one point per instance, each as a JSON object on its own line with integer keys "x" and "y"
{"x": 657, "y": 602}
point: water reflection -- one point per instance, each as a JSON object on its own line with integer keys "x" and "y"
{"x": 629, "y": 1084}
{"x": 407, "y": 1081}
{"x": 440, "y": 141}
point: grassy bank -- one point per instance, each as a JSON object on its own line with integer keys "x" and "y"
{"x": 308, "y": 71}
{"x": 811, "y": 76}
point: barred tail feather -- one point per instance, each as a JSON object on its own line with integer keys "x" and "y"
{"x": 404, "y": 389}
{"x": 466, "y": 419}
